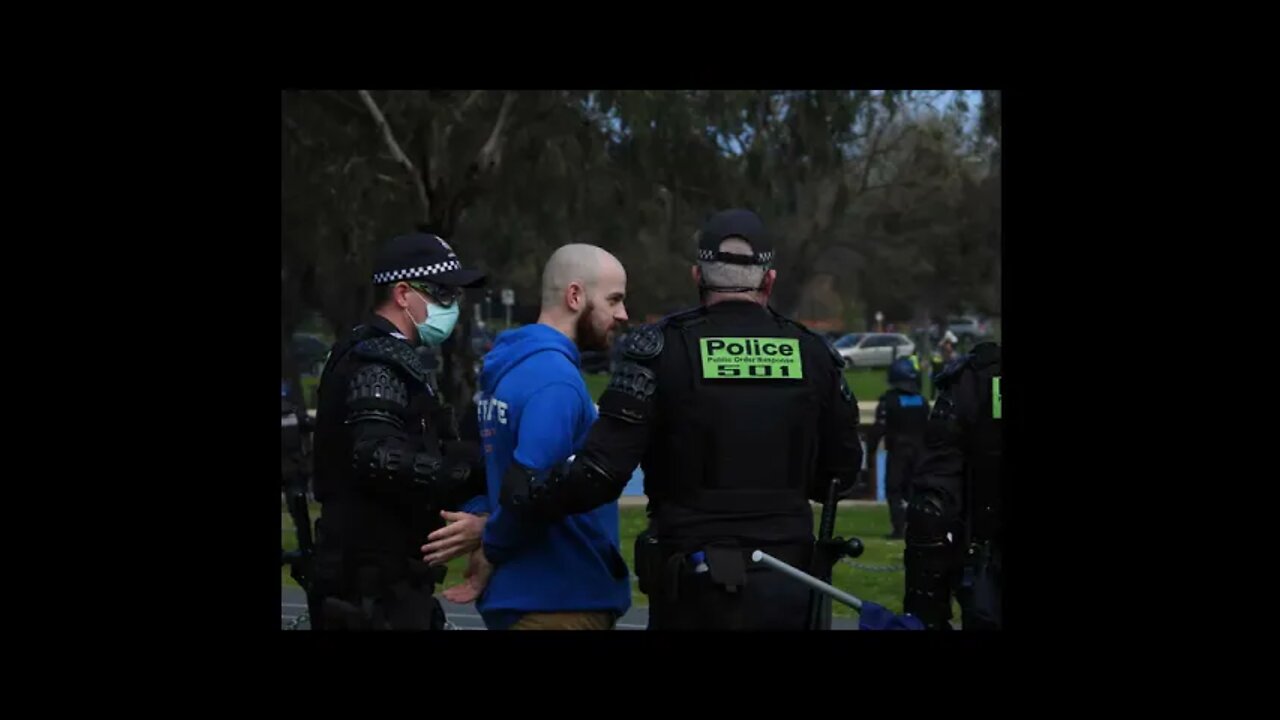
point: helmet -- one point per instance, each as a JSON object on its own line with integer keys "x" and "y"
{"x": 904, "y": 373}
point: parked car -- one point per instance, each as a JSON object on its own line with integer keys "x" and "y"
{"x": 964, "y": 327}
{"x": 873, "y": 349}
{"x": 847, "y": 341}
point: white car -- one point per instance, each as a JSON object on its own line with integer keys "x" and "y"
{"x": 873, "y": 349}
{"x": 965, "y": 327}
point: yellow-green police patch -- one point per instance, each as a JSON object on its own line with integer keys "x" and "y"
{"x": 995, "y": 397}
{"x": 751, "y": 358}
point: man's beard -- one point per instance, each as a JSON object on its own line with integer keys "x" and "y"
{"x": 587, "y": 337}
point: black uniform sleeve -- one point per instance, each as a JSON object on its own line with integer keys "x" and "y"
{"x": 387, "y": 454}
{"x": 615, "y": 444}
{"x": 931, "y": 538}
{"x": 839, "y": 451}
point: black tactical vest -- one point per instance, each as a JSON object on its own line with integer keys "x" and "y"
{"x": 736, "y": 443}
{"x": 363, "y": 524}
{"x": 907, "y": 418}
{"x": 986, "y": 470}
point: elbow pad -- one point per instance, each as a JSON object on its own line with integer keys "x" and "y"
{"x": 581, "y": 486}
{"x": 387, "y": 463}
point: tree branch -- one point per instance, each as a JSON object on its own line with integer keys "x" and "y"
{"x": 335, "y": 100}
{"x": 397, "y": 152}
{"x": 466, "y": 104}
{"x": 601, "y": 122}
{"x": 871, "y": 153}
{"x": 428, "y": 172}
{"x": 296, "y": 131}
{"x": 489, "y": 150}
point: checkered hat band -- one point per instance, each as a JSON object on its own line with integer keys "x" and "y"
{"x": 763, "y": 258}
{"x": 413, "y": 273}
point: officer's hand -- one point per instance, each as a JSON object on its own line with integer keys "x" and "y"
{"x": 476, "y": 579}
{"x": 459, "y": 537}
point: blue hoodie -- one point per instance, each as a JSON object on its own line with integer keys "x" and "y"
{"x": 534, "y": 406}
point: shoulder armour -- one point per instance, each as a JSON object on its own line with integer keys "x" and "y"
{"x": 377, "y": 382}
{"x": 644, "y": 343}
{"x": 390, "y": 351}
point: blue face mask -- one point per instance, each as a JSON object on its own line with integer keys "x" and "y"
{"x": 438, "y": 324}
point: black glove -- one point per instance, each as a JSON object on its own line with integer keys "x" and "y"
{"x": 847, "y": 490}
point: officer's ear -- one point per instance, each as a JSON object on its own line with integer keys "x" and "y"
{"x": 400, "y": 294}
{"x": 696, "y": 272}
{"x": 766, "y": 286}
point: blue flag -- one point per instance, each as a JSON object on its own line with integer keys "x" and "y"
{"x": 879, "y": 617}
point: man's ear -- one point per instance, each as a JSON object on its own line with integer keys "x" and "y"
{"x": 575, "y": 296}
{"x": 696, "y": 272}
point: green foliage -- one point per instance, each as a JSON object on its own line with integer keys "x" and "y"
{"x": 879, "y": 189}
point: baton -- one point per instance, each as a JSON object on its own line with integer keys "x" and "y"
{"x": 813, "y": 582}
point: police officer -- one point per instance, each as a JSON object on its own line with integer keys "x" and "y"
{"x": 739, "y": 417}
{"x": 954, "y": 528}
{"x": 901, "y": 418}
{"x": 295, "y": 472}
{"x": 943, "y": 354}
{"x": 382, "y": 473}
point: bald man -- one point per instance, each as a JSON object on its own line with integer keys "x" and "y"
{"x": 534, "y": 413}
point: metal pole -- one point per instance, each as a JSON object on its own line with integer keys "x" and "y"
{"x": 807, "y": 579}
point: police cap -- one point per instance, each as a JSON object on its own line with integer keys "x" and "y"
{"x": 422, "y": 256}
{"x": 739, "y": 223}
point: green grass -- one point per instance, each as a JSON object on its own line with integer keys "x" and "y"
{"x": 596, "y": 383}
{"x": 870, "y": 523}
{"x": 867, "y": 384}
